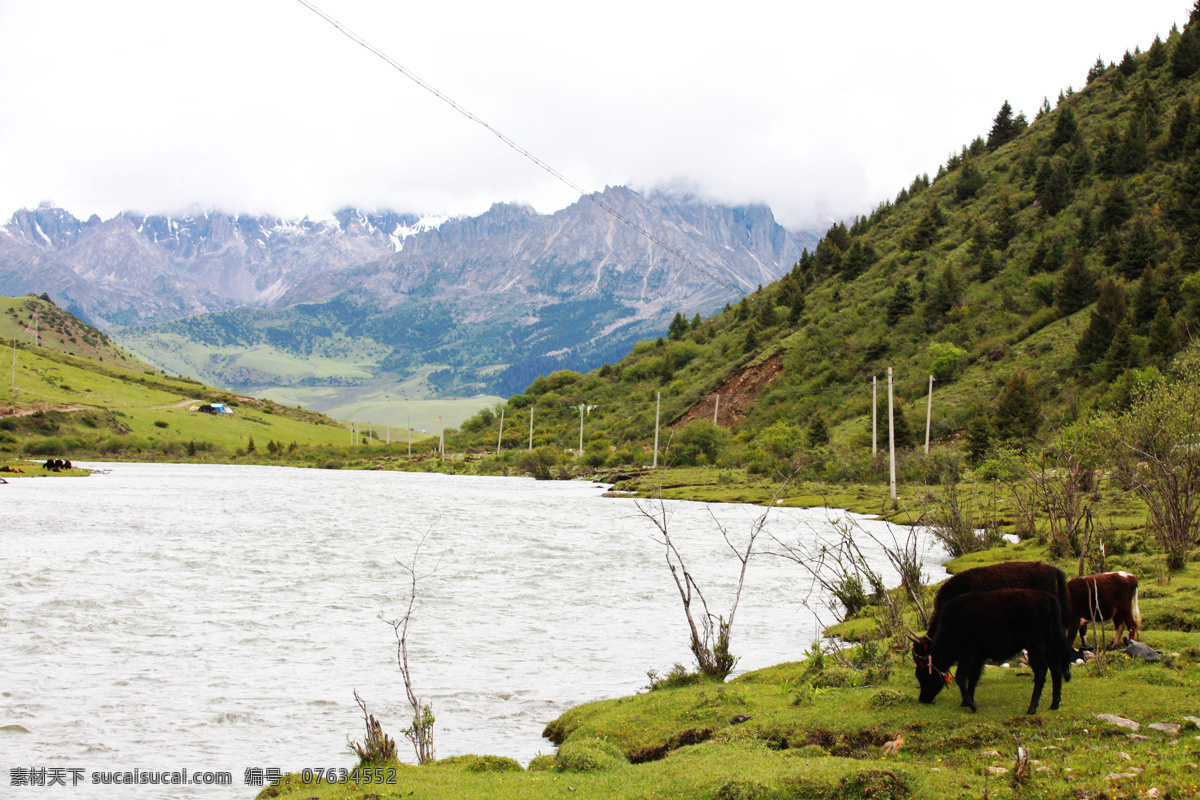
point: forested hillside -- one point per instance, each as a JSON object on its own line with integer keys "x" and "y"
{"x": 1047, "y": 269}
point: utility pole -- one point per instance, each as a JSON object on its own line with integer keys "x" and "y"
{"x": 657, "y": 409}
{"x": 891, "y": 437}
{"x": 408, "y": 422}
{"x": 929, "y": 415}
{"x": 874, "y": 413}
{"x": 531, "y": 429}
{"x": 500, "y": 438}
{"x": 442, "y": 439}
{"x": 582, "y": 406}
{"x": 716, "y": 409}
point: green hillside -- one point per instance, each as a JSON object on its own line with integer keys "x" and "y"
{"x": 1049, "y": 264}
{"x": 71, "y": 393}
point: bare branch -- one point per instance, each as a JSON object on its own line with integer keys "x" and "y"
{"x": 421, "y": 731}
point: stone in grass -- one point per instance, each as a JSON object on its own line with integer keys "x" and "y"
{"x": 997, "y": 770}
{"x": 1172, "y": 728}
{"x": 1121, "y": 721}
{"x": 1118, "y": 776}
{"x": 1142, "y": 651}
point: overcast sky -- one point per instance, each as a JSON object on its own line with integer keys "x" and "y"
{"x": 820, "y": 110}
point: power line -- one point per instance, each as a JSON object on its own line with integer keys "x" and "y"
{"x": 361, "y": 42}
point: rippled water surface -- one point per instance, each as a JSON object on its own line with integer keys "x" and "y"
{"x": 162, "y": 617}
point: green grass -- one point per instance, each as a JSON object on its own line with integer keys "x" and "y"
{"x": 816, "y": 729}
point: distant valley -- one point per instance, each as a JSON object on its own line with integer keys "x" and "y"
{"x": 362, "y": 311}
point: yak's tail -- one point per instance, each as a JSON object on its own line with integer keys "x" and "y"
{"x": 1134, "y": 610}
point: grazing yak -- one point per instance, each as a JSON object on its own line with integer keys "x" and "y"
{"x": 1009, "y": 575}
{"x": 997, "y": 625}
{"x": 1099, "y": 598}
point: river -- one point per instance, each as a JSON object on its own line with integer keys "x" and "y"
{"x": 164, "y": 617}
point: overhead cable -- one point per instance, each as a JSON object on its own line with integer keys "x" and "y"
{"x": 361, "y": 42}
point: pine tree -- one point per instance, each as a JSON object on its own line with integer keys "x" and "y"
{"x": 1106, "y": 158}
{"x": 1117, "y": 208}
{"x": 1102, "y": 324}
{"x": 1064, "y": 129}
{"x": 1087, "y": 229}
{"x": 1056, "y": 192}
{"x": 1037, "y": 261}
{"x": 1018, "y": 410}
{"x": 695, "y": 321}
{"x": 1147, "y": 107}
{"x": 988, "y": 268}
{"x": 1145, "y": 300}
{"x": 1185, "y": 58}
{"x": 750, "y": 340}
{"x": 1179, "y": 136}
{"x": 1128, "y": 66}
{"x": 829, "y": 256}
{"x": 1185, "y": 201}
{"x": 925, "y": 234}
{"x": 1163, "y": 340}
{"x": 901, "y": 303}
{"x": 817, "y": 434}
{"x": 979, "y": 438}
{"x": 1156, "y": 56}
{"x": 1140, "y": 251}
{"x": 1133, "y": 152}
{"x": 979, "y": 240}
{"x": 1004, "y": 127}
{"x": 1112, "y": 249}
{"x": 1096, "y": 71}
{"x": 678, "y": 327}
{"x": 944, "y": 294}
{"x": 1121, "y": 354}
{"x": 1077, "y": 286}
{"x": 1081, "y": 165}
{"x": 1005, "y": 229}
{"x": 970, "y": 181}
{"x": 858, "y": 260}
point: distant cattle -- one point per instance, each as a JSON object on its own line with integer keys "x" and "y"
{"x": 1099, "y": 598}
{"x": 1009, "y": 575}
{"x": 56, "y": 465}
{"x": 997, "y": 625}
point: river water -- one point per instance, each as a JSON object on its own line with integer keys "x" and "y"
{"x": 219, "y": 618}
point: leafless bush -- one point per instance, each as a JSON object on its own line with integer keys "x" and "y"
{"x": 837, "y": 566}
{"x": 420, "y": 733}
{"x": 957, "y": 523}
{"x": 710, "y": 633}
{"x": 377, "y": 747}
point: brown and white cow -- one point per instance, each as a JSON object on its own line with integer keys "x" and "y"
{"x": 1099, "y": 598}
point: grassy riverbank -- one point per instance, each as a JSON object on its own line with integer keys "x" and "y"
{"x": 818, "y": 727}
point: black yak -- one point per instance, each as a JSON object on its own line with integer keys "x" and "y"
{"x": 1008, "y": 575}
{"x": 997, "y": 625}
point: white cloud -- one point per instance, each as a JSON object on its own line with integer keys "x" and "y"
{"x": 262, "y": 106}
